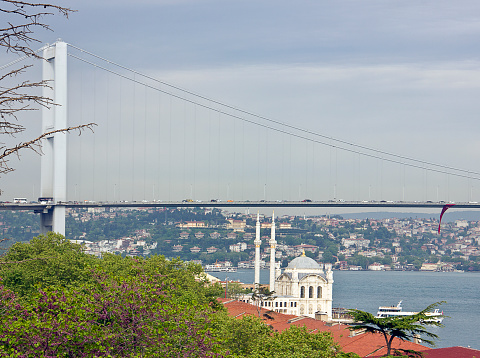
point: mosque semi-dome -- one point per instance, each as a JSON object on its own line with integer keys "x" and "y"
{"x": 303, "y": 262}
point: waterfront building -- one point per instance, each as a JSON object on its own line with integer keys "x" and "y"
{"x": 303, "y": 288}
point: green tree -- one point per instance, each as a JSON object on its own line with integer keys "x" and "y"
{"x": 234, "y": 289}
{"x": 67, "y": 303}
{"x": 260, "y": 295}
{"x": 250, "y": 337}
{"x": 110, "y": 317}
{"x": 299, "y": 342}
{"x": 405, "y": 328}
{"x": 240, "y": 337}
{"x": 47, "y": 260}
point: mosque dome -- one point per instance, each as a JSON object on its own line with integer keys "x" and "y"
{"x": 303, "y": 262}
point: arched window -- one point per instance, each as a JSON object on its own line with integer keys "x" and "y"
{"x": 319, "y": 292}
{"x": 310, "y": 292}
{"x": 302, "y": 292}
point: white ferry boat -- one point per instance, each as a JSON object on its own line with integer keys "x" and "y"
{"x": 219, "y": 268}
{"x": 397, "y": 311}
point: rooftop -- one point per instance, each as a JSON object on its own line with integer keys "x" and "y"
{"x": 363, "y": 344}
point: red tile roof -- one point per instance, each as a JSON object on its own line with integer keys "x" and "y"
{"x": 457, "y": 352}
{"x": 363, "y": 344}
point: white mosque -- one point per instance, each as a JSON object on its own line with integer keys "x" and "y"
{"x": 304, "y": 288}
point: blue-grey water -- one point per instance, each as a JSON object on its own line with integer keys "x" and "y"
{"x": 366, "y": 290}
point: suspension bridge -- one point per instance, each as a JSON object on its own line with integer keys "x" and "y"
{"x": 158, "y": 145}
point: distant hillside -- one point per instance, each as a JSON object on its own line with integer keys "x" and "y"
{"x": 450, "y": 215}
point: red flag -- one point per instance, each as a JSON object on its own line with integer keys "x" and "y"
{"x": 445, "y": 208}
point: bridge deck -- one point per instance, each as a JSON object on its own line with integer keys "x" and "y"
{"x": 41, "y": 207}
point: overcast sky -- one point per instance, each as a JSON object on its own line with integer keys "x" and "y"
{"x": 400, "y": 76}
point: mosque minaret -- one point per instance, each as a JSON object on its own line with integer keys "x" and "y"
{"x": 273, "y": 246}
{"x": 304, "y": 288}
{"x": 257, "y": 243}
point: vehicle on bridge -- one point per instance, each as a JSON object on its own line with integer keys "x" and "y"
{"x": 20, "y": 200}
{"x": 45, "y": 200}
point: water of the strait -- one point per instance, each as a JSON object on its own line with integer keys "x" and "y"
{"x": 367, "y": 290}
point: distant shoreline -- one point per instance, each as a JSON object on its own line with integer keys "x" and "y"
{"x": 450, "y": 216}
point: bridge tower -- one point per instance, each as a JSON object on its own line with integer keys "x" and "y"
{"x": 54, "y": 159}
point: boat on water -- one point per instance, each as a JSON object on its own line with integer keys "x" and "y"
{"x": 218, "y": 267}
{"x": 397, "y": 311}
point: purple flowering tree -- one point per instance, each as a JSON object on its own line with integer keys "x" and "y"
{"x": 119, "y": 318}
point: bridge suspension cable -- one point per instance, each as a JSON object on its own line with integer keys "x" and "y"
{"x": 374, "y": 156}
{"x": 376, "y": 153}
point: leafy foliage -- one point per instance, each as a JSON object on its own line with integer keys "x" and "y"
{"x": 404, "y": 327}
{"x": 135, "y": 317}
{"x": 251, "y": 337}
{"x": 58, "y": 301}
{"x": 47, "y": 260}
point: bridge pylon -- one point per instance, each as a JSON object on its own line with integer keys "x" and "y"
{"x": 54, "y": 159}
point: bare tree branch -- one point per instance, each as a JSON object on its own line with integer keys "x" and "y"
{"x": 16, "y": 99}
{"x": 17, "y": 38}
{"x": 35, "y": 144}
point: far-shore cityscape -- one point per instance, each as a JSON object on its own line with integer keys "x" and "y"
{"x": 223, "y": 241}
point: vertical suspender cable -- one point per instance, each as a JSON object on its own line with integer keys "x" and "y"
{"x": 234, "y": 157}
{"x": 358, "y": 178}
{"x": 184, "y": 148}
{"x": 330, "y": 176}
{"x": 218, "y": 157}
{"x": 134, "y": 105}
{"x": 448, "y": 187}
{"x": 266, "y": 162}
{"x": 313, "y": 172}
{"x": 210, "y": 192}
{"x": 425, "y": 194}
{"x": 194, "y": 148}
{"x": 170, "y": 150}
{"x": 259, "y": 161}
{"x": 336, "y": 172}
{"x": 119, "y": 143}
{"x": 107, "y": 152}
{"x": 283, "y": 167}
{"x": 243, "y": 160}
{"x": 76, "y": 198}
{"x": 469, "y": 190}
{"x": 290, "y": 168}
{"x": 159, "y": 142}
{"x": 145, "y": 145}
{"x": 381, "y": 179}
{"x": 95, "y": 121}
{"x": 306, "y": 170}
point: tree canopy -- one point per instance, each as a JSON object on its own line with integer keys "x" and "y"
{"x": 58, "y": 301}
{"x": 403, "y": 327}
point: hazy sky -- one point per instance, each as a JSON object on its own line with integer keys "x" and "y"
{"x": 401, "y": 76}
